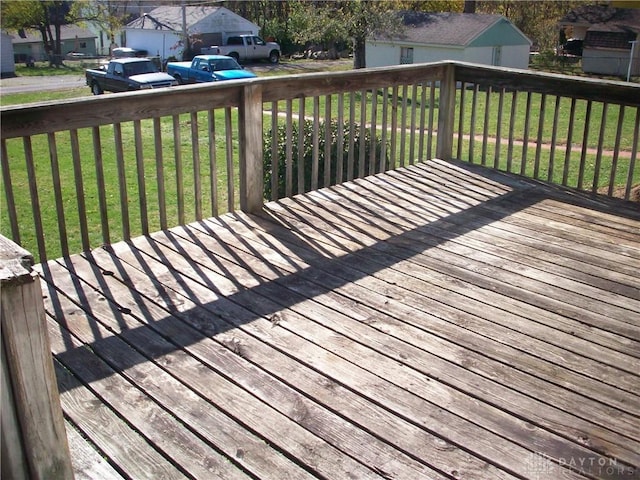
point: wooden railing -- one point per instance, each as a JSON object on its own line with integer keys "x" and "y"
{"x": 81, "y": 173}
{"x": 86, "y": 172}
{"x": 34, "y": 439}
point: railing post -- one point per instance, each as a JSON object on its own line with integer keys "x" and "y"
{"x": 34, "y": 440}
{"x": 251, "y": 145}
{"x": 446, "y": 113}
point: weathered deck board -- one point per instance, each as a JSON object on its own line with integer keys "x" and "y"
{"x": 439, "y": 321}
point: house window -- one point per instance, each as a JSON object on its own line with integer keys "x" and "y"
{"x": 83, "y": 44}
{"x": 496, "y": 57}
{"x": 406, "y": 55}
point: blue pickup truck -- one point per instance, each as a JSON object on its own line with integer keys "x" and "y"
{"x": 207, "y": 68}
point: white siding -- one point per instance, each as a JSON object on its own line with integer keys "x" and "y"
{"x": 385, "y": 54}
{"x": 381, "y": 54}
{"x": 515, "y": 56}
{"x": 483, "y": 55}
{"x": 7, "y": 66}
{"x": 512, "y": 56}
{"x": 610, "y": 62}
{"x": 437, "y": 54}
{"x": 160, "y": 43}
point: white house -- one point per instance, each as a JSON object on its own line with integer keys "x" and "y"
{"x": 161, "y": 31}
{"x": 73, "y": 38}
{"x": 7, "y": 64}
{"x": 468, "y": 37}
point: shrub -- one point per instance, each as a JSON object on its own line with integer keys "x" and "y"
{"x": 348, "y": 131}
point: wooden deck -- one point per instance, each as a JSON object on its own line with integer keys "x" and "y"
{"x": 438, "y": 321}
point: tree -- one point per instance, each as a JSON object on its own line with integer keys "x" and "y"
{"x": 331, "y": 22}
{"x": 537, "y": 20}
{"x": 109, "y": 15}
{"x": 41, "y": 16}
{"x": 317, "y": 24}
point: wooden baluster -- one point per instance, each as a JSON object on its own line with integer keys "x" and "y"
{"x": 567, "y": 155}
{"x": 162, "y": 202}
{"x": 373, "y": 131}
{"x": 616, "y": 151}
{"x": 327, "y": 141}
{"x": 585, "y": 146}
{"x": 195, "y": 159}
{"x": 487, "y": 120}
{"x": 57, "y": 192}
{"x": 632, "y": 160}
{"x": 541, "y": 121}
{"x": 275, "y": 157}
{"x": 289, "y": 150}
{"x": 315, "y": 143}
{"x": 512, "y": 123}
{"x": 177, "y": 152}
{"x": 384, "y": 127}
{"x": 597, "y": 166}
{"x": 213, "y": 162}
{"x": 554, "y": 139}
{"x": 35, "y": 199}
{"x": 228, "y": 132}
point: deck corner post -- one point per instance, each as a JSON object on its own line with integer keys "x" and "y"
{"x": 34, "y": 439}
{"x": 251, "y": 148}
{"x": 446, "y": 112}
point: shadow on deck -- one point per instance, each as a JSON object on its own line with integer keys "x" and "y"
{"x": 438, "y": 321}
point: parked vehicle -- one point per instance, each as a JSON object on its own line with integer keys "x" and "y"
{"x": 207, "y": 68}
{"x": 127, "y": 74}
{"x": 573, "y": 47}
{"x": 246, "y": 47}
{"x": 126, "y": 52}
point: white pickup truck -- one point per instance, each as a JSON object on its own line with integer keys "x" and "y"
{"x": 246, "y": 48}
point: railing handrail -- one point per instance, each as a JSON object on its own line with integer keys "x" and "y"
{"x": 584, "y": 88}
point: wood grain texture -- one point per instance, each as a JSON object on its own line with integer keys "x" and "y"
{"x": 437, "y": 321}
{"x": 33, "y": 417}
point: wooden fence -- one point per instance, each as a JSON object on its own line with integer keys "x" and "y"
{"x": 81, "y": 173}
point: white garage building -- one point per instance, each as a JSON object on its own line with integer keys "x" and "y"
{"x": 468, "y": 37}
{"x": 161, "y": 31}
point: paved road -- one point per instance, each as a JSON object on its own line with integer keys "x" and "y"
{"x": 34, "y": 84}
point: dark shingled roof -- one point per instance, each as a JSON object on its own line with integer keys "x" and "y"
{"x": 609, "y": 39}
{"x": 443, "y": 28}
{"x": 603, "y": 16}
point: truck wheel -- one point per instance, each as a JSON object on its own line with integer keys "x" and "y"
{"x": 235, "y": 56}
{"x": 178, "y": 79}
{"x": 274, "y": 57}
{"x": 96, "y": 89}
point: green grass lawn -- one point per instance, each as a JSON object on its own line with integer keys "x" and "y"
{"x": 33, "y": 97}
{"x": 43, "y": 69}
{"x": 151, "y": 170}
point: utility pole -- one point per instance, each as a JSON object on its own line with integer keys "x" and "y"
{"x": 185, "y": 38}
